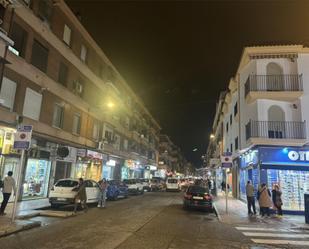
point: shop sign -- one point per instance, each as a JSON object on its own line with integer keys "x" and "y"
{"x": 151, "y": 167}
{"x": 94, "y": 155}
{"x": 249, "y": 158}
{"x": 81, "y": 152}
{"x": 284, "y": 155}
{"x": 22, "y": 138}
{"x": 111, "y": 163}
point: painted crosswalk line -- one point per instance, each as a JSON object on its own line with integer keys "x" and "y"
{"x": 281, "y": 242}
{"x": 277, "y": 235}
{"x": 261, "y": 229}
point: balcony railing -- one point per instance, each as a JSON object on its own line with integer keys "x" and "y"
{"x": 276, "y": 129}
{"x": 274, "y": 83}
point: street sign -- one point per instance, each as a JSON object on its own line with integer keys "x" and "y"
{"x": 22, "y": 138}
{"x": 227, "y": 160}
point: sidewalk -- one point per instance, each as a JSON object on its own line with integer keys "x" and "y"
{"x": 238, "y": 214}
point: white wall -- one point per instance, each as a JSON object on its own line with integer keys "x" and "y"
{"x": 288, "y": 66}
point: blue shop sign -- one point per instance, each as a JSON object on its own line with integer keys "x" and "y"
{"x": 284, "y": 156}
{"x": 249, "y": 158}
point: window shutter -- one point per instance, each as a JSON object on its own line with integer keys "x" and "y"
{"x": 32, "y": 104}
{"x": 83, "y": 53}
{"x": 67, "y": 35}
{"x": 7, "y": 94}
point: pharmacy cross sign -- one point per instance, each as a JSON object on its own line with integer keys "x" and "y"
{"x": 22, "y": 138}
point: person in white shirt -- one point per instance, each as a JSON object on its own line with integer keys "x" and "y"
{"x": 8, "y": 186}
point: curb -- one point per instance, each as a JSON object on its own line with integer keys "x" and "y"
{"x": 20, "y": 228}
{"x": 217, "y": 213}
{"x": 27, "y": 216}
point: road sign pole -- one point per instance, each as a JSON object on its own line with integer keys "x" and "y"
{"x": 226, "y": 192}
{"x": 19, "y": 179}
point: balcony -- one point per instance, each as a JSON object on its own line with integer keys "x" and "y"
{"x": 286, "y": 133}
{"x": 275, "y": 87}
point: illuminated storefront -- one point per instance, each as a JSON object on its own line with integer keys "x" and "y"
{"x": 135, "y": 169}
{"x": 108, "y": 169}
{"x": 286, "y": 166}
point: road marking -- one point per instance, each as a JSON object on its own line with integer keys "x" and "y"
{"x": 261, "y": 229}
{"x": 277, "y": 235}
{"x": 281, "y": 242}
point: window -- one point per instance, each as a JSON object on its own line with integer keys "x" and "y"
{"x": 7, "y": 93}
{"x": 78, "y": 88}
{"x": 236, "y": 143}
{"x": 125, "y": 144}
{"x": 58, "y": 116}
{"x": 19, "y": 36}
{"x": 83, "y": 53}
{"x": 45, "y": 10}
{"x": 108, "y": 133}
{"x": 76, "y": 123}
{"x": 231, "y": 146}
{"x": 67, "y": 35}
{"x": 32, "y": 104}
{"x": 96, "y": 129}
{"x": 63, "y": 74}
{"x": 227, "y": 127}
{"x": 235, "y": 109}
{"x": 116, "y": 141}
{"x": 39, "y": 56}
{"x": 231, "y": 119}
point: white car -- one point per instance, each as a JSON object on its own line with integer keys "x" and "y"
{"x": 134, "y": 186}
{"x": 172, "y": 184}
{"x": 62, "y": 192}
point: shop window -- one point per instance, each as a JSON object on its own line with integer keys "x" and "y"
{"x": 45, "y": 10}
{"x": 7, "y": 93}
{"x": 58, "y": 116}
{"x": 76, "y": 123}
{"x": 231, "y": 119}
{"x": 236, "y": 143}
{"x": 83, "y": 53}
{"x": 96, "y": 130}
{"x": 67, "y": 35}
{"x": 19, "y": 36}
{"x": 235, "y": 109}
{"x": 39, "y": 56}
{"x": 32, "y": 104}
{"x": 63, "y": 74}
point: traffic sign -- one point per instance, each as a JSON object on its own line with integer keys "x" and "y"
{"x": 22, "y": 138}
{"x": 227, "y": 160}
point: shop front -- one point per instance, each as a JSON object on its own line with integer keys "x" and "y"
{"x": 109, "y": 169}
{"x": 286, "y": 166}
{"x": 135, "y": 169}
{"x": 65, "y": 166}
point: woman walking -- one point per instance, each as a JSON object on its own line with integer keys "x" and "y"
{"x": 277, "y": 201}
{"x": 265, "y": 202}
{"x": 103, "y": 188}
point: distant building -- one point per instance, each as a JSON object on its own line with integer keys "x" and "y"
{"x": 59, "y": 81}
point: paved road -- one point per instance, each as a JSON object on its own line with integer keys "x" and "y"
{"x": 154, "y": 220}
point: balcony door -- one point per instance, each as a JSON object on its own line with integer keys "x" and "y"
{"x": 274, "y": 77}
{"x": 276, "y": 122}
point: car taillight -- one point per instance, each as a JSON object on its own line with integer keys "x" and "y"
{"x": 207, "y": 197}
{"x": 187, "y": 196}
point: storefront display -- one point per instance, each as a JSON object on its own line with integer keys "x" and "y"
{"x": 108, "y": 169}
{"x": 36, "y": 178}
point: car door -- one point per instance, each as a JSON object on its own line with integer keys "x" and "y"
{"x": 96, "y": 191}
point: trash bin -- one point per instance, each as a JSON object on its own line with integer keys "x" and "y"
{"x": 306, "y": 208}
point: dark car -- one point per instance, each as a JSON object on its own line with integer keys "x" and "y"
{"x": 116, "y": 189}
{"x": 198, "y": 197}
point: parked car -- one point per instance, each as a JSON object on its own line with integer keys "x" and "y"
{"x": 184, "y": 184}
{"x": 198, "y": 197}
{"x": 157, "y": 184}
{"x": 62, "y": 192}
{"x": 172, "y": 184}
{"x": 134, "y": 186}
{"x": 146, "y": 184}
{"x": 116, "y": 189}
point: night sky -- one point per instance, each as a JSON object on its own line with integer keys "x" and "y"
{"x": 179, "y": 55}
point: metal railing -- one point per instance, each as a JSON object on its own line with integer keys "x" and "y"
{"x": 274, "y": 83}
{"x": 276, "y": 129}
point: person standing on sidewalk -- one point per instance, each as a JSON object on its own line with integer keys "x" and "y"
{"x": 277, "y": 201}
{"x": 8, "y": 185}
{"x": 250, "y": 198}
{"x": 81, "y": 196}
{"x": 103, "y": 188}
{"x": 264, "y": 200}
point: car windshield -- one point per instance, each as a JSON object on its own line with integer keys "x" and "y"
{"x": 129, "y": 181}
{"x": 197, "y": 189}
{"x": 172, "y": 180}
{"x": 66, "y": 183}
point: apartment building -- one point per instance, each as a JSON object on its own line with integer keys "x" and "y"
{"x": 87, "y": 121}
{"x": 264, "y": 120}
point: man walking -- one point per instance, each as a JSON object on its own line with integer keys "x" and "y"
{"x": 81, "y": 196}
{"x": 8, "y": 186}
{"x": 103, "y": 188}
{"x": 250, "y": 198}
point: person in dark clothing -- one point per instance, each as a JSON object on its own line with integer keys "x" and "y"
{"x": 223, "y": 186}
{"x": 263, "y": 195}
{"x": 250, "y": 198}
{"x": 81, "y": 196}
{"x": 276, "y": 198}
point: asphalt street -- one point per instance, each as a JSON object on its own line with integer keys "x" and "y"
{"x": 152, "y": 220}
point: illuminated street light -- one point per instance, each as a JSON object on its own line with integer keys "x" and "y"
{"x": 110, "y": 104}
{"x": 212, "y": 136}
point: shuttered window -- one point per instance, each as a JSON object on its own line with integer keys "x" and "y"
{"x": 7, "y": 93}
{"x": 63, "y": 74}
{"x": 58, "y": 116}
{"x": 32, "y": 104}
{"x": 83, "y": 53}
{"x": 19, "y": 36}
{"x": 67, "y": 35}
{"x": 39, "y": 56}
{"x": 76, "y": 123}
{"x": 96, "y": 129}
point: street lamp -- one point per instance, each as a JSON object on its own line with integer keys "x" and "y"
{"x": 212, "y": 136}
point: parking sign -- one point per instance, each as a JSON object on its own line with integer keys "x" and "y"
{"x": 22, "y": 138}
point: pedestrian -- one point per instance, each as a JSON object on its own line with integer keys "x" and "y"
{"x": 276, "y": 198}
{"x": 8, "y": 185}
{"x": 264, "y": 200}
{"x": 209, "y": 184}
{"x": 250, "y": 198}
{"x": 81, "y": 196}
{"x": 103, "y": 189}
{"x": 223, "y": 186}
